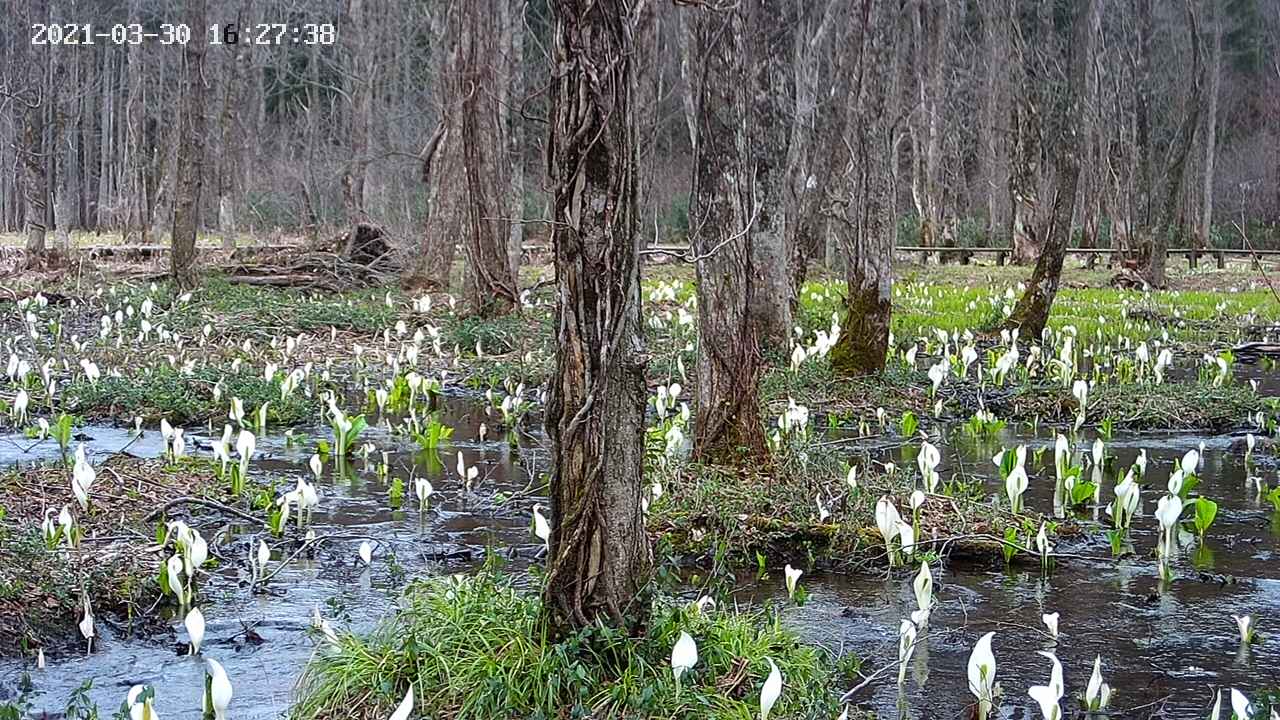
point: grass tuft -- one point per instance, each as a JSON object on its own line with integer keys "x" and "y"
{"x": 473, "y": 648}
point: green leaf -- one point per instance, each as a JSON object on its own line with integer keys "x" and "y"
{"x": 1082, "y": 492}
{"x": 908, "y": 424}
{"x": 1206, "y": 512}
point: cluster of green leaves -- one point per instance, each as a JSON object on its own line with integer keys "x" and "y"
{"x": 475, "y": 647}
{"x": 434, "y": 435}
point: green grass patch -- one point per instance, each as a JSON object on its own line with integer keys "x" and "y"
{"x": 473, "y": 648}
{"x": 814, "y": 383}
{"x": 923, "y": 304}
{"x": 360, "y": 310}
{"x": 516, "y": 346}
{"x": 163, "y": 392}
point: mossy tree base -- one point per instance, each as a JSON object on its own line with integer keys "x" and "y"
{"x": 864, "y": 340}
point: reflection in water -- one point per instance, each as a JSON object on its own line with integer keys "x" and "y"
{"x": 1177, "y": 642}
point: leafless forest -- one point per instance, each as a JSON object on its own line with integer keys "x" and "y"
{"x": 708, "y": 290}
{"x": 429, "y": 120}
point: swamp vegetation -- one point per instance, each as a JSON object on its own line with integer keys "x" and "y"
{"x": 451, "y": 401}
{"x": 586, "y": 446}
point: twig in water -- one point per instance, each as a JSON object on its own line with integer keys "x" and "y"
{"x": 188, "y": 500}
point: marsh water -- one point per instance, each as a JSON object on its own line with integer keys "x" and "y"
{"x": 1160, "y": 647}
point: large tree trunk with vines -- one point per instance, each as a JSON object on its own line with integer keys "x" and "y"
{"x": 721, "y": 212}
{"x": 1031, "y": 314}
{"x": 491, "y": 285}
{"x": 599, "y": 561}
{"x": 189, "y": 175}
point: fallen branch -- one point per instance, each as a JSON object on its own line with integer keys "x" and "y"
{"x": 212, "y": 504}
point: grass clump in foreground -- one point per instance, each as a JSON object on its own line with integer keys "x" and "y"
{"x": 473, "y": 647}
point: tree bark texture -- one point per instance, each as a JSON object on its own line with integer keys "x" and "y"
{"x": 491, "y": 285}
{"x": 929, "y": 23}
{"x": 359, "y": 82}
{"x": 808, "y": 164}
{"x": 1204, "y": 235}
{"x": 27, "y": 93}
{"x": 599, "y": 561}
{"x": 1031, "y": 313}
{"x": 442, "y": 165}
{"x": 767, "y": 69}
{"x": 861, "y": 213}
{"x": 189, "y": 175}
{"x": 722, "y": 212}
{"x": 1026, "y": 147}
{"x": 1157, "y": 247}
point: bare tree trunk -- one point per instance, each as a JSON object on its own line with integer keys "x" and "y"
{"x": 807, "y": 164}
{"x": 30, "y": 101}
{"x": 442, "y": 164}
{"x": 35, "y": 184}
{"x": 1141, "y": 201}
{"x": 721, "y": 214}
{"x": 1031, "y": 314}
{"x": 516, "y": 133}
{"x": 599, "y": 561}
{"x": 360, "y": 78}
{"x": 63, "y": 198}
{"x": 1025, "y": 147}
{"x": 1203, "y": 236}
{"x": 862, "y": 220}
{"x": 1156, "y": 256}
{"x": 491, "y": 287}
{"x": 228, "y": 151}
{"x": 106, "y": 119}
{"x": 996, "y": 42}
{"x": 929, "y": 23}
{"x": 649, "y": 93}
{"x": 770, "y": 77}
{"x": 190, "y": 178}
